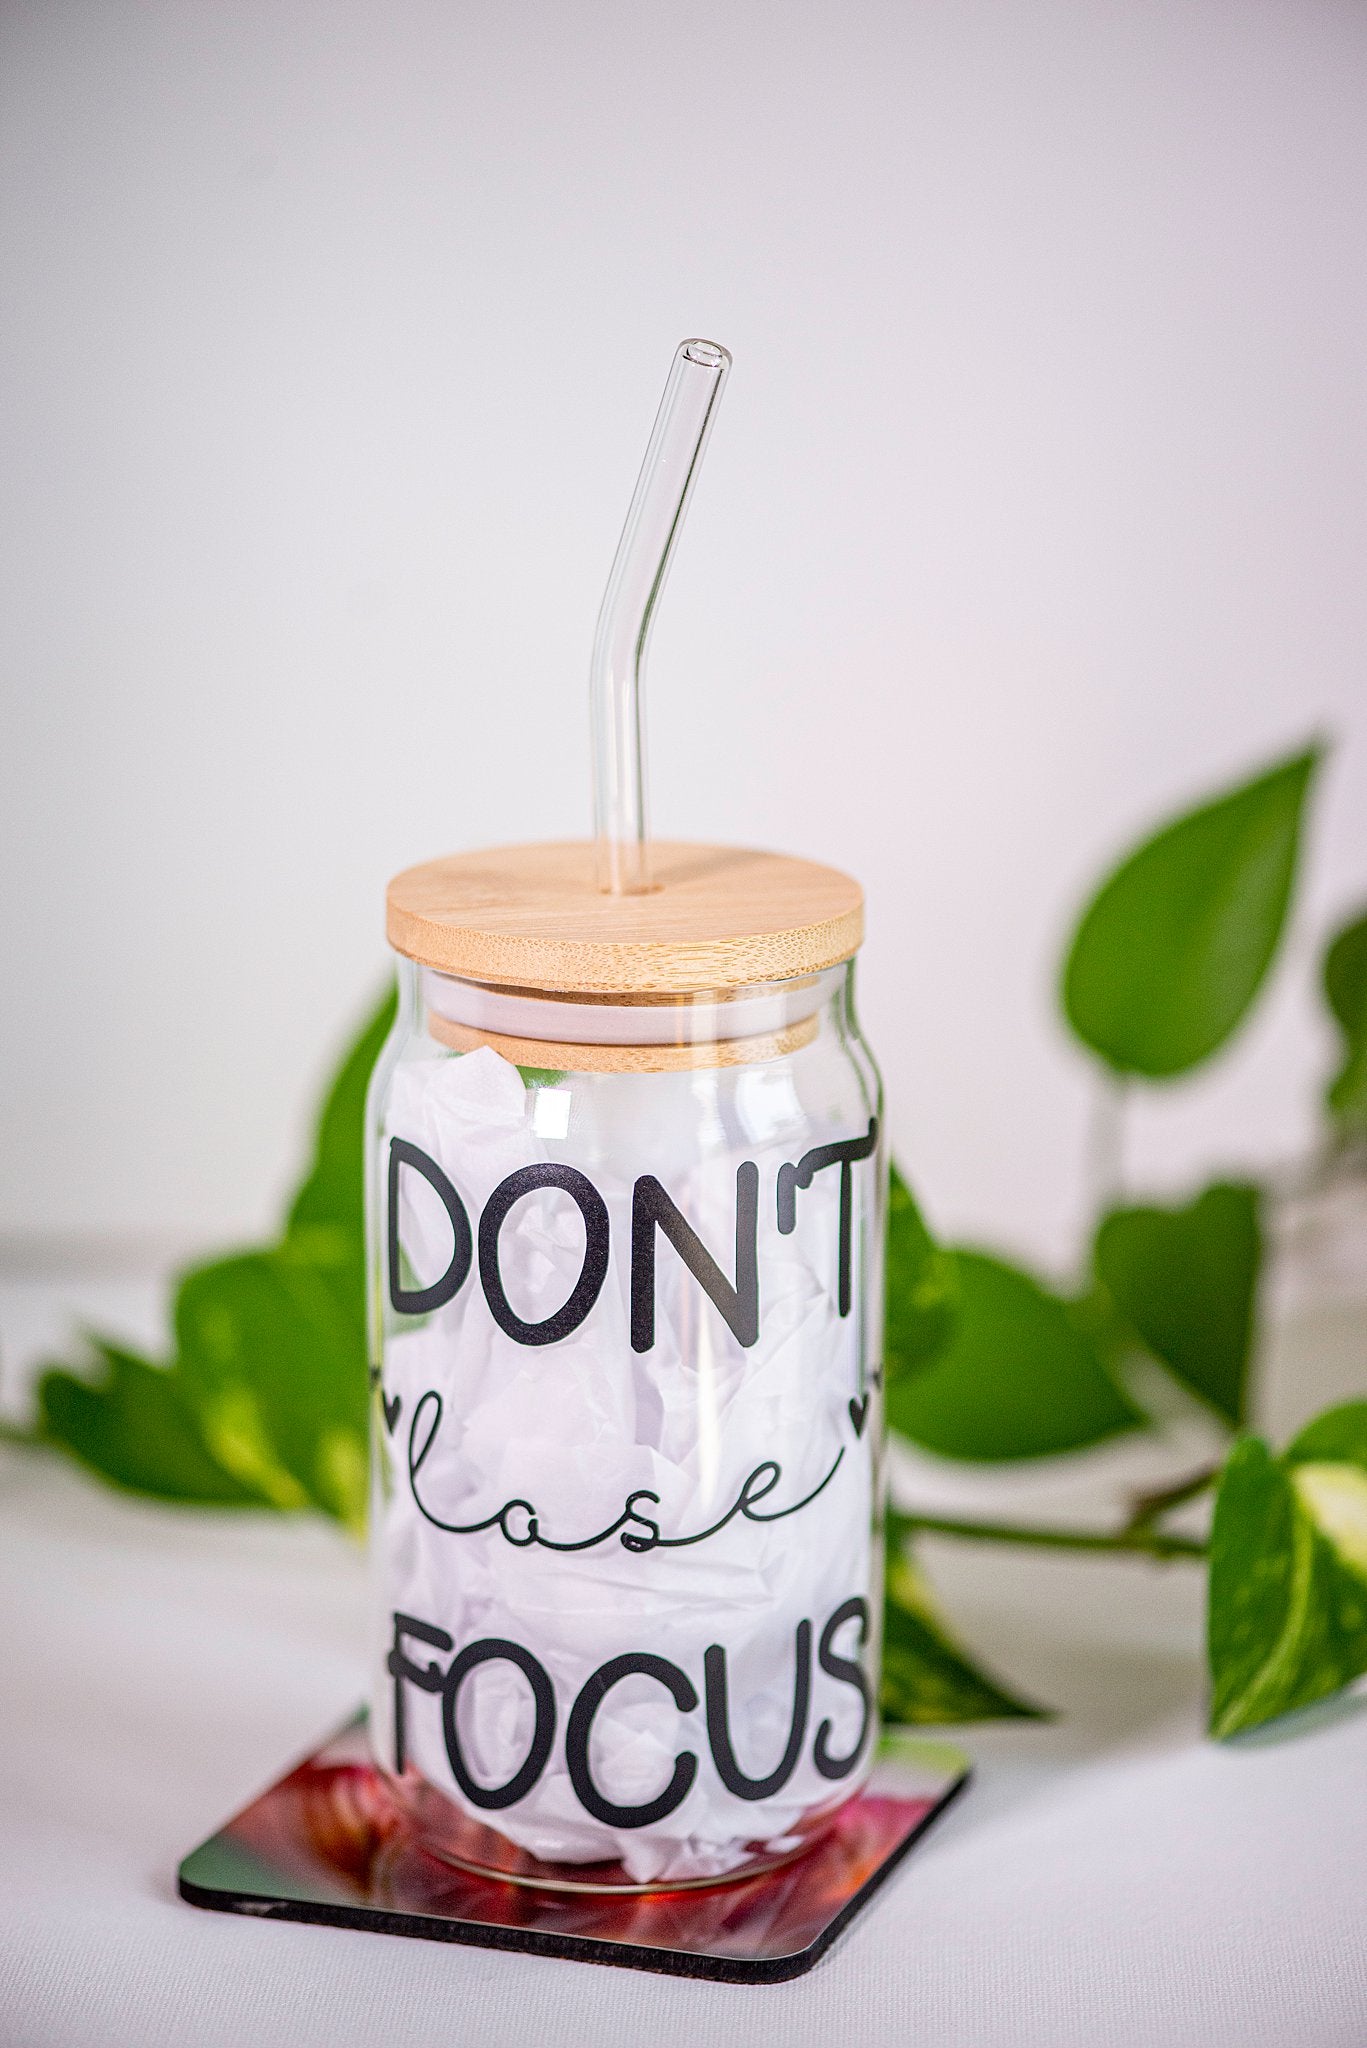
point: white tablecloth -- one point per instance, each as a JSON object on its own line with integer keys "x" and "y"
{"x": 1108, "y": 1878}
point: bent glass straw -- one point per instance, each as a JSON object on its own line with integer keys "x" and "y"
{"x": 639, "y": 568}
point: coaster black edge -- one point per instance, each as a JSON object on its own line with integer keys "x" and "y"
{"x": 572, "y": 1947}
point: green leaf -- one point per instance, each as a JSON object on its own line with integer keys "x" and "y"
{"x": 332, "y": 1192}
{"x": 1287, "y": 1612}
{"x": 1345, "y": 976}
{"x": 275, "y": 1349}
{"x": 920, "y": 1287}
{"x": 1172, "y": 949}
{"x": 272, "y": 1344}
{"x": 928, "y": 1678}
{"x": 137, "y": 1428}
{"x": 265, "y": 1402}
{"x": 1346, "y": 1096}
{"x": 1328, "y": 1462}
{"x": 1019, "y": 1377}
{"x": 1187, "y": 1280}
{"x": 1345, "y": 988}
{"x": 1338, "y": 1436}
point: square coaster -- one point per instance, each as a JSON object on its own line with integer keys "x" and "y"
{"x": 329, "y": 1843}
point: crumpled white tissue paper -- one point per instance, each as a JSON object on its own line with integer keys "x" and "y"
{"x": 575, "y": 1426}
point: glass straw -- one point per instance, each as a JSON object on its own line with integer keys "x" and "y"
{"x": 639, "y": 568}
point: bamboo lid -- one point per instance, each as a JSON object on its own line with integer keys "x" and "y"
{"x": 534, "y": 917}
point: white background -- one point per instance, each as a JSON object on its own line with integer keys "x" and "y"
{"x": 333, "y": 334}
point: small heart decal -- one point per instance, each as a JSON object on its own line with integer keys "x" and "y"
{"x": 858, "y": 1413}
{"x": 391, "y": 1410}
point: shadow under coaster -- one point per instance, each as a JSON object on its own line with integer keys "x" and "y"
{"x": 329, "y": 1843}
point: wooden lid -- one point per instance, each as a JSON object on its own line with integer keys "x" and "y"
{"x": 534, "y": 917}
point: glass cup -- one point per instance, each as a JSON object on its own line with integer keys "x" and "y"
{"x": 626, "y": 1288}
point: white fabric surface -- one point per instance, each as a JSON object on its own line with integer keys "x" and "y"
{"x": 1108, "y": 1879}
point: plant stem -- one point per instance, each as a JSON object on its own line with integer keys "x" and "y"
{"x": 1105, "y": 1171}
{"x": 1147, "y": 1508}
{"x": 1141, "y": 1542}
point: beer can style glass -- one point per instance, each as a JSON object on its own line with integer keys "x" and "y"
{"x": 626, "y": 1193}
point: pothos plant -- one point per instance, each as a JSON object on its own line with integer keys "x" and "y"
{"x": 263, "y": 1402}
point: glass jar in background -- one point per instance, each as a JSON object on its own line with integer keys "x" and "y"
{"x": 626, "y": 1196}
